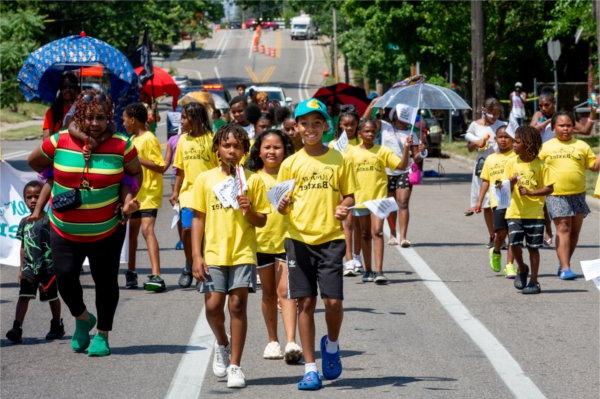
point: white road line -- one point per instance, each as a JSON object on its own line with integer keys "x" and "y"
{"x": 250, "y": 49}
{"x": 15, "y": 154}
{"x": 198, "y": 74}
{"x": 224, "y": 46}
{"x": 301, "y": 79}
{"x": 309, "y": 70}
{"x": 217, "y": 74}
{"x": 188, "y": 379}
{"x": 221, "y": 40}
{"x": 505, "y": 365}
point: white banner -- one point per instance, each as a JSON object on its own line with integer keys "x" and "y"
{"x": 13, "y": 209}
{"x": 341, "y": 144}
{"x": 406, "y": 113}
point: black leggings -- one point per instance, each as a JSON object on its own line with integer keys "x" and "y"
{"x": 104, "y": 256}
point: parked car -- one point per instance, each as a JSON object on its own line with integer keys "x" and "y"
{"x": 235, "y": 25}
{"x": 182, "y": 81}
{"x": 275, "y": 93}
{"x": 435, "y": 134}
{"x": 270, "y": 25}
{"x": 217, "y": 88}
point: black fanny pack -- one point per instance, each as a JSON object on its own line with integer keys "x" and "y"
{"x": 66, "y": 201}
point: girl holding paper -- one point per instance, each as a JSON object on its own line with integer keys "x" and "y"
{"x": 225, "y": 265}
{"x": 369, "y": 161}
{"x": 267, "y": 154}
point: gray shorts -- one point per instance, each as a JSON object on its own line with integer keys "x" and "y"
{"x": 226, "y": 278}
{"x": 360, "y": 212}
{"x": 560, "y": 206}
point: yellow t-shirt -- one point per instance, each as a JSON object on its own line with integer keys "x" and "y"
{"x": 229, "y": 239}
{"x": 369, "y": 169}
{"x": 270, "y": 238}
{"x": 151, "y": 191}
{"x": 597, "y": 189}
{"x": 193, "y": 155}
{"x": 320, "y": 183}
{"x": 567, "y": 162}
{"x": 493, "y": 170}
{"x": 532, "y": 175}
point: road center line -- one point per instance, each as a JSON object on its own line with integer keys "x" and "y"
{"x": 217, "y": 74}
{"x": 12, "y": 155}
{"x": 309, "y": 70}
{"x": 505, "y": 365}
{"x": 301, "y": 79}
{"x": 224, "y": 45}
{"x": 188, "y": 379}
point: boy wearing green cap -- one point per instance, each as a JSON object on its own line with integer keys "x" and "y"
{"x": 315, "y": 243}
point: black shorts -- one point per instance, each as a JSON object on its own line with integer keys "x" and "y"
{"x": 263, "y": 259}
{"x": 529, "y": 230}
{"x": 312, "y": 265}
{"x": 500, "y": 219}
{"x": 144, "y": 213}
{"x": 396, "y": 182}
{"x": 45, "y": 283}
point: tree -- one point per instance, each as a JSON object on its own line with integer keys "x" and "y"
{"x": 477, "y": 61}
{"x": 18, "y": 33}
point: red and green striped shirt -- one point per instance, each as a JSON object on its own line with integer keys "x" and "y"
{"x": 95, "y": 218}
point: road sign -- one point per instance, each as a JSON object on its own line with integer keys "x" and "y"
{"x": 554, "y": 49}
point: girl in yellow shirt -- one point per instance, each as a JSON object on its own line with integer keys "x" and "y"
{"x": 369, "y": 161}
{"x": 567, "y": 159}
{"x": 266, "y": 155}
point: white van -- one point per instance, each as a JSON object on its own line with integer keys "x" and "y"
{"x": 303, "y": 27}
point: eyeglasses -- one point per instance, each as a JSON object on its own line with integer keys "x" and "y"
{"x": 97, "y": 118}
{"x": 88, "y": 98}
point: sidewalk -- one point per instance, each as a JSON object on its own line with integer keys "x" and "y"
{"x": 13, "y": 126}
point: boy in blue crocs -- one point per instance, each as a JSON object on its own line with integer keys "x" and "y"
{"x": 315, "y": 244}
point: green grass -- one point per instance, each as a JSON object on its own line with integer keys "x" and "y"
{"x": 460, "y": 148}
{"x": 26, "y": 112}
{"x": 29, "y": 132}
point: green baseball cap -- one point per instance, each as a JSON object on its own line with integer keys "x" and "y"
{"x": 311, "y": 105}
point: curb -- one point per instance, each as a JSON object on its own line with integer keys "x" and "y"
{"x": 592, "y": 202}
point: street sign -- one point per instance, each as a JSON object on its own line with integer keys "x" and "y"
{"x": 554, "y": 49}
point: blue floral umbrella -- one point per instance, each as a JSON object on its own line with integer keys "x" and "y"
{"x": 40, "y": 74}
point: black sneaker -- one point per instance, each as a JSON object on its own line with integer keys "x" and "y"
{"x": 57, "y": 330}
{"x": 533, "y": 287}
{"x": 521, "y": 279}
{"x": 15, "y": 334}
{"x": 131, "y": 280}
{"x": 380, "y": 279}
{"x": 368, "y": 277}
{"x": 185, "y": 280}
{"x": 155, "y": 284}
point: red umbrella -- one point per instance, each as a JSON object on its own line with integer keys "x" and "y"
{"x": 161, "y": 84}
{"x": 342, "y": 93}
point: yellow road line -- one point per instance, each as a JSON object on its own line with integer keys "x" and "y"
{"x": 251, "y": 74}
{"x": 267, "y": 74}
{"x": 278, "y": 42}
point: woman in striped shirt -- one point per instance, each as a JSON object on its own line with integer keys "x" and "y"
{"x": 92, "y": 229}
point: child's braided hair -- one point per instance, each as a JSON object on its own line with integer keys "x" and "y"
{"x": 238, "y": 133}
{"x": 532, "y": 140}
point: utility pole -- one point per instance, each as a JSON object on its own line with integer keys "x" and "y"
{"x": 335, "y": 47}
{"x": 477, "y": 77}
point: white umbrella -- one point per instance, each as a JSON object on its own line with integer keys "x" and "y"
{"x": 422, "y": 96}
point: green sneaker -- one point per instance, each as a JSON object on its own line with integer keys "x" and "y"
{"x": 155, "y": 284}
{"x": 99, "y": 346}
{"x": 81, "y": 337}
{"x": 510, "y": 271}
{"x": 495, "y": 260}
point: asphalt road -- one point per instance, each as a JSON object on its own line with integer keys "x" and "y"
{"x": 445, "y": 326}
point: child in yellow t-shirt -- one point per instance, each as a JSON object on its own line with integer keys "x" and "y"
{"x": 348, "y": 123}
{"x": 266, "y": 155}
{"x": 369, "y": 161}
{"x": 323, "y": 192}
{"x": 149, "y": 196}
{"x": 226, "y": 264}
{"x": 492, "y": 172}
{"x": 193, "y": 156}
{"x": 530, "y": 182}
{"x": 567, "y": 159}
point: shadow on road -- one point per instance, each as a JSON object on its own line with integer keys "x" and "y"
{"x": 399, "y": 381}
{"x": 565, "y": 291}
{"x": 153, "y": 349}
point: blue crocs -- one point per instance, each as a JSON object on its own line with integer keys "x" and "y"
{"x": 310, "y": 382}
{"x": 332, "y": 364}
{"x": 567, "y": 274}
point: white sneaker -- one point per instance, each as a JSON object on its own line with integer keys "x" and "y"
{"x": 220, "y": 360}
{"x": 293, "y": 353}
{"x": 235, "y": 377}
{"x": 273, "y": 351}
{"x": 349, "y": 268}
